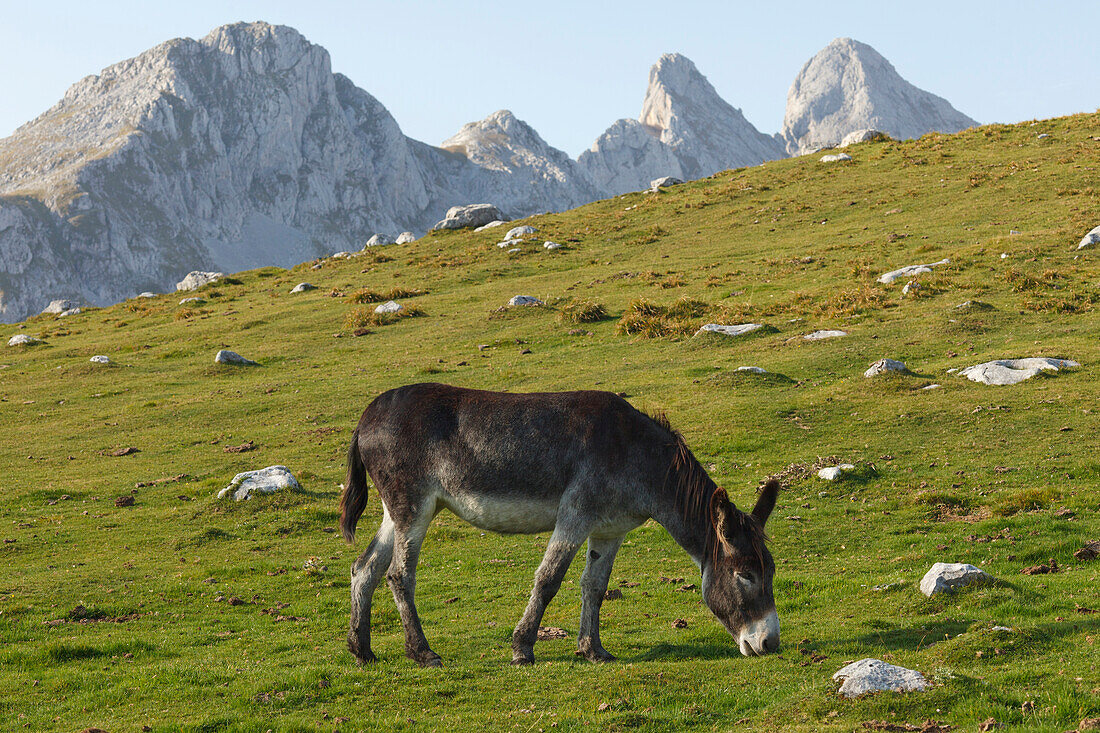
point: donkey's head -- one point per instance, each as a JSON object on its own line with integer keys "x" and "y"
{"x": 737, "y": 576}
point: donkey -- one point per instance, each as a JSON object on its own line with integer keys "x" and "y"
{"x": 584, "y": 465}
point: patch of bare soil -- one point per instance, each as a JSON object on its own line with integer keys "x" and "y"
{"x": 547, "y": 633}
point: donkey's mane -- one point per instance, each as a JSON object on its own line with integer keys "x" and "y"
{"x": 693, "y": 492}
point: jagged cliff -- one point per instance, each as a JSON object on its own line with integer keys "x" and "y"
{"x": 685, "y": 130}
{"x": 849, "y": 86}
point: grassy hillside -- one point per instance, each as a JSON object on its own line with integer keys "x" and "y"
{"x": 1002, "y": 477}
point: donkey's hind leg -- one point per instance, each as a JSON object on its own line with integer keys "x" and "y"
{"x": 597, "y": 570}
{"x": 560, "y": 551}
{"x": 402, "y": 580}
{"x": 365, "y": 574}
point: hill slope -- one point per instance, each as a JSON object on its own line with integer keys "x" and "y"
{"x": 1000, "y": 477}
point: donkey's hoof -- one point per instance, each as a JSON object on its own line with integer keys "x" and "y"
{"x": 361, "y": 657}
{"x": 600, "y": 655}
{"x": 369, "y": 658}
{"x": 520, "y": 659}
{"x": 429, "y": 659}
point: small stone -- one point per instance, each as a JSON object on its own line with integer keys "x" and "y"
{"x": 517, "y": 250}
{"x": 146, "y": 294}
{"x": 976, "y": 305}
{"x": 1042, "y": 136}
{"x": 838, "y": 158}
{"x": 390, "y": 306}
{"x": 819, "y": 335}
{"x": 739, "y": 330}
{"x": 520, "y": 231}
{"x": 910, "y": 287}
{"x": 832, "y": 473}
{"x": 100, "y": 359}
{"x": 379, "y": 239}
{"x": 22, "y": 339}
{"x": 551, "y": 245}
{"x": 752, "y": 369}
{"x": 263, "y": 481}
{"x": 341, "y": 255}
{"x": 1090, "y": 239}
{"x": 490, "y": 225}
{"x": 883, "y": 366}
{"x": 70, "y": 312}
{"x": 525, "y": 300}
{"x": 1013, "y": 371}
{"x": 1013, "y": 232}
{"x": 509, "y": 243}
{"x": 303, "y": 287}
{"x": 197, "y": 278}
{"x": 930, "y": 386}
{"x": 59, "y": 306}
{"x": 664, "y": 182}
{"x": 873, "y": 675}
{"x": 944, "y": 577}
{"x": 910, "y": 270}
{"x": 185, "y": 301}
{"x": 862, "y": 136}
{"x": 225, "y": 356}
{"x": 405, "y": 238}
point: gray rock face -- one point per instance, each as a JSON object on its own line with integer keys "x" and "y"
{"x": 944, "y": 577}
{"x": 1013, "y": 371}
{"x": 874, "y": 675}
{"x": 234, "y": 151}
{"x": 471, "y": 215}
{"x": 225, "y": 356}
{"x": 263, "y": 481}
{"x": 197, "y": 279}
{"x": 685, "y": 130}
{"x": 1090, "y": 239}
{"x": 848, "y": 86}
{"x": 884, "y": 366}
{"x": 909, "y": 271}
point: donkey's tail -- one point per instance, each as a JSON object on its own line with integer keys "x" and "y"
{"x": 354, "y": 499}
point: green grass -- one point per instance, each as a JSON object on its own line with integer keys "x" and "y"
{"x": 1000, "y": 477}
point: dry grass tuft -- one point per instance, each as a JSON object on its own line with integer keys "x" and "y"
{"x": 582, "y": 311}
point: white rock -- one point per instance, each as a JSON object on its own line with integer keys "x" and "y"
{"x": 491, "y": 225}
{"x": 826, "y": 334}
{"x": 198, "y": 278}
{"x": 909, "y": 271}
{"x": 947, "y": 576}
{"x": 930, "y": 386}
{"x": 551, "y": 245}
{"x": 520, "y": 231}
{"x": 185, "y": 301}
{"x": 471, "y": 215}
{"x": 1002, "y": 628}
{"x": 664, "y": 182}
{"x": 739, "y": 330}
{"x": 1090, "y": 239}
{"x": 70, "y": 312}
{"x": 379, "y": 239}
{"x": 832, "y": 473}
{"x": 515, "y": 250}
{"x": 59, "y": 306}
{"x": 405, "y": 238}
{"x": 910, "y": 287}
{"x": 862, "y": 136}
{"x": 263, "y": 481}
{"x": 1004, "y": 255}
{"x": 1014, "y": 371}
{"x": 146, "y": 294}
{"x": 882, "y": 366}
{"x": 225, "y": 356}
{"x": 1042, "y": 135}
{"x": 838, "y": 158}
{"x": 341, "y": 255}
{"x": 390, "y": 306}
{"x": 22, "y": 339}
{"x": 873, "y": 675}
{"x": 303, "y": 287}
{"x": 509, "y": 243}
{"x": 752, "y": 369}
{"x": 100, "y": 359}
{"x": 525, "y": 300}
{"x": 848, "y": 86}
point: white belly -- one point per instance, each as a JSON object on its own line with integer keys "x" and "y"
{"x": 498, "y": 514}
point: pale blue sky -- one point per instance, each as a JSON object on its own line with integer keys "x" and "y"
{"x": 571, "y": 68}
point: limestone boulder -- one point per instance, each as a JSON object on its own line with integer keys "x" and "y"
{"x": 873, "y": 675}
{"x": 824, "y": 334}
{"x": 885, "y": 366}
{"x": 525, "y": 300}
{"x": 1090, "y": 239}
{"x": 405, "y": 238}
{"x": 837, "y": 158}
{"x": 263, "y": 481}
{"x": 909, "y": 271}
{"x": 197, "y": 278}
{"x": 390, "y": 306}
{"x": 863, "y": 136}
{"x": 303, "y": 287}
{"x": 22, "y": 339}
{"x": 59, "y": 306}
{"x": 232, "y": 358}
{"x": 471, "y": 215}
{"x": 944, "y": 577}
{"x": 1013, "y": 371}
{"x": 379, "y": 239}
{"x": 520, "y": 232}
{"x": 737, "y": 330}
{"x": 664, "y": 182}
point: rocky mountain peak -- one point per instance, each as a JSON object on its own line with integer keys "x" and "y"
{"x": 849, "y": 86}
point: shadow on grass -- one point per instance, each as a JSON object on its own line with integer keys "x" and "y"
{"x": 686, "y": 652}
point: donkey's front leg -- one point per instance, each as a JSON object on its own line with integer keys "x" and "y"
{"x": 597, "y": 570}
{"x": 560, "y": 551}
{"x": 402, "y": 580}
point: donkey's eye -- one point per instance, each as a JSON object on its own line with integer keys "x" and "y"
{"x": 747, "y": 578}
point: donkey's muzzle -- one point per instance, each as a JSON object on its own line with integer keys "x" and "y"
{"x": 761, "y": 636}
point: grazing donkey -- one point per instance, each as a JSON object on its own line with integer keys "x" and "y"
{"x": 586, "y": 465}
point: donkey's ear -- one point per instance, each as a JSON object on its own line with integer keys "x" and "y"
{"x": 722, "y": 514}
{"x": 766, "y": 501}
